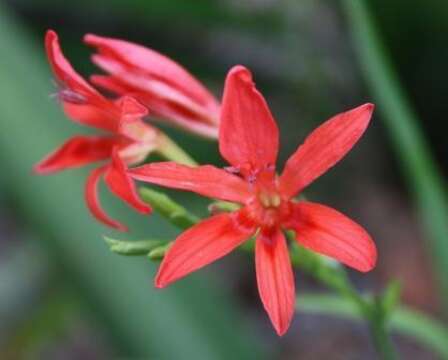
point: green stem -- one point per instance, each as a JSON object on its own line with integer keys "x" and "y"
{"x": 171, "y": 151}
{"x": 420, "y": 169}
{"x": 330, "y": 274}
{"x": 334, "y": 277}
{"x": 382, "y": 341}
{"x": 378, "y": 312}
{"x": 403, "y": 320}
{"x": 380, "y": 335}
{"x": 168, "y": 208}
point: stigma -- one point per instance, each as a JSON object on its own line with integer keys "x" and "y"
{"x": 269, "y": 200}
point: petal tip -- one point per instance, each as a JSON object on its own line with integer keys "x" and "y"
{"x": 88, "y": 37}
{"x": 51, "y": 42}
{"x": 371, "y": 263}
{"x": 129, "y": 106}
{"x": 240, "y": 72}
{"x": 159, "y": 283}
{"x": 145, "y": 210}
{"x": 121, "y": 227}
{"x": 369, "y": 107}
{"x": 50, "y": 34}
{"x": 281, "y": 330}
{"x": 38, "y": 169}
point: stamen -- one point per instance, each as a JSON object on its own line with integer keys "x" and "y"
{"x": 251, "y": 179}
{"x": 70, "y": 96}
{"x": 66, "y": 94}
{"x": 232, "y": 170}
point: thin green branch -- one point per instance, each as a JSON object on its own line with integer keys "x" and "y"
{"x": 403, "y": 320}
{"x": 171, "y": 151}
{"x": 379, "y": 312}
{"x": 168, "y": 208}
{"x": 133, "y": 248}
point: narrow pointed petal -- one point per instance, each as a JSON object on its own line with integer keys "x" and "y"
{"x": 275, "y": 279}
{"x": 81, "y": 101}
{"x": 248, "y": 134}
{"x": 202, "y": 244}
{"x": 106, "y": 115}
{"x": 166, "y": 106}
{"x": 328, "y": 232}
{"x": 323, "y": 148}
{"x": 100, "y": 117}
{"x": 130, "y": 108}
{"x": 205, "y": 180}
{"x": 76, "y": 152}
{"x": 151, "y": 64}
{"x": 121, "y": 184}
{"x": 63, "y": 69}
{"x": 91, "y": 195}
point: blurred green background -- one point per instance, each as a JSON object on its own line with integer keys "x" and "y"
{"x": 63, "y": 295}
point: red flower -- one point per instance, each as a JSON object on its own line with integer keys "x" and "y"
{"x": 248, "y": 140}
{"x": 128, "y": 141}
{"x": 164, "y": 86}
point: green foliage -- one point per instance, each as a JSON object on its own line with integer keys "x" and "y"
{"x": 420, "y": 169}
{"x": 402, "y": 320}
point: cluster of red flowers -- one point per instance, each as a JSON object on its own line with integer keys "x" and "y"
{"x": 248, "y": 140}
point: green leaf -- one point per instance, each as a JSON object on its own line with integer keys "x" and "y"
{"x": 390, "y": 298}
{"x": 403, "y": 320}
{"x": 420, "y": 169}
{"x": 141, "y": 247}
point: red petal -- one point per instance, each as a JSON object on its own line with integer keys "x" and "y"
{"x": 162, "y": 99}
{"x": 206, "y": 180}
{"x": 62, "y": 68}
{"x": 130, "y": 108}
{"x": 107, "y": 116}
{"x": 97, "y": 111}
{"x": 91, "y": 195}
{"x": 248, "y": 134}
{"x": 168, "y": 105}
{"x": 77, "y": 151}
{"x": 100, "y": 117}
{"x": 323, "y": 148}
{"x": 122, "y": 185}
{"x": 151, "y": 64}
{"x": 275, "y": 279}
{"x": 202, "y": 244}
{"x": 328, "y": 232}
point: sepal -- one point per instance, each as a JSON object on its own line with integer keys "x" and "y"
{"x": 132, "y": 248}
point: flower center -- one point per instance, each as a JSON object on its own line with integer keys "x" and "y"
{"x": 269, "y": 200}
{"x": 267, "y": 207}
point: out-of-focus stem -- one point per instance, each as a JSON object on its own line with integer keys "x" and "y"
{"x": 420, "y": 169}
{"x": 381, "y": 338}
{"x": 171, "y": 151}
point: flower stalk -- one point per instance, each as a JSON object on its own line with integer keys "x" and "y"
{"x": 168, "y": 149}
{"x": 375, "y": 310}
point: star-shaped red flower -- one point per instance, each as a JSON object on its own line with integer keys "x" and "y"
{"x": 249, "y": 140}
{"x": 127, "y": 139}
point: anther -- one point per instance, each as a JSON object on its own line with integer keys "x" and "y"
{"x": 71, "y": 96}
{"x": 232, "y": 169}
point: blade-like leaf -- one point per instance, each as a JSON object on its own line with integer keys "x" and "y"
{"x": 420, "y": 169}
